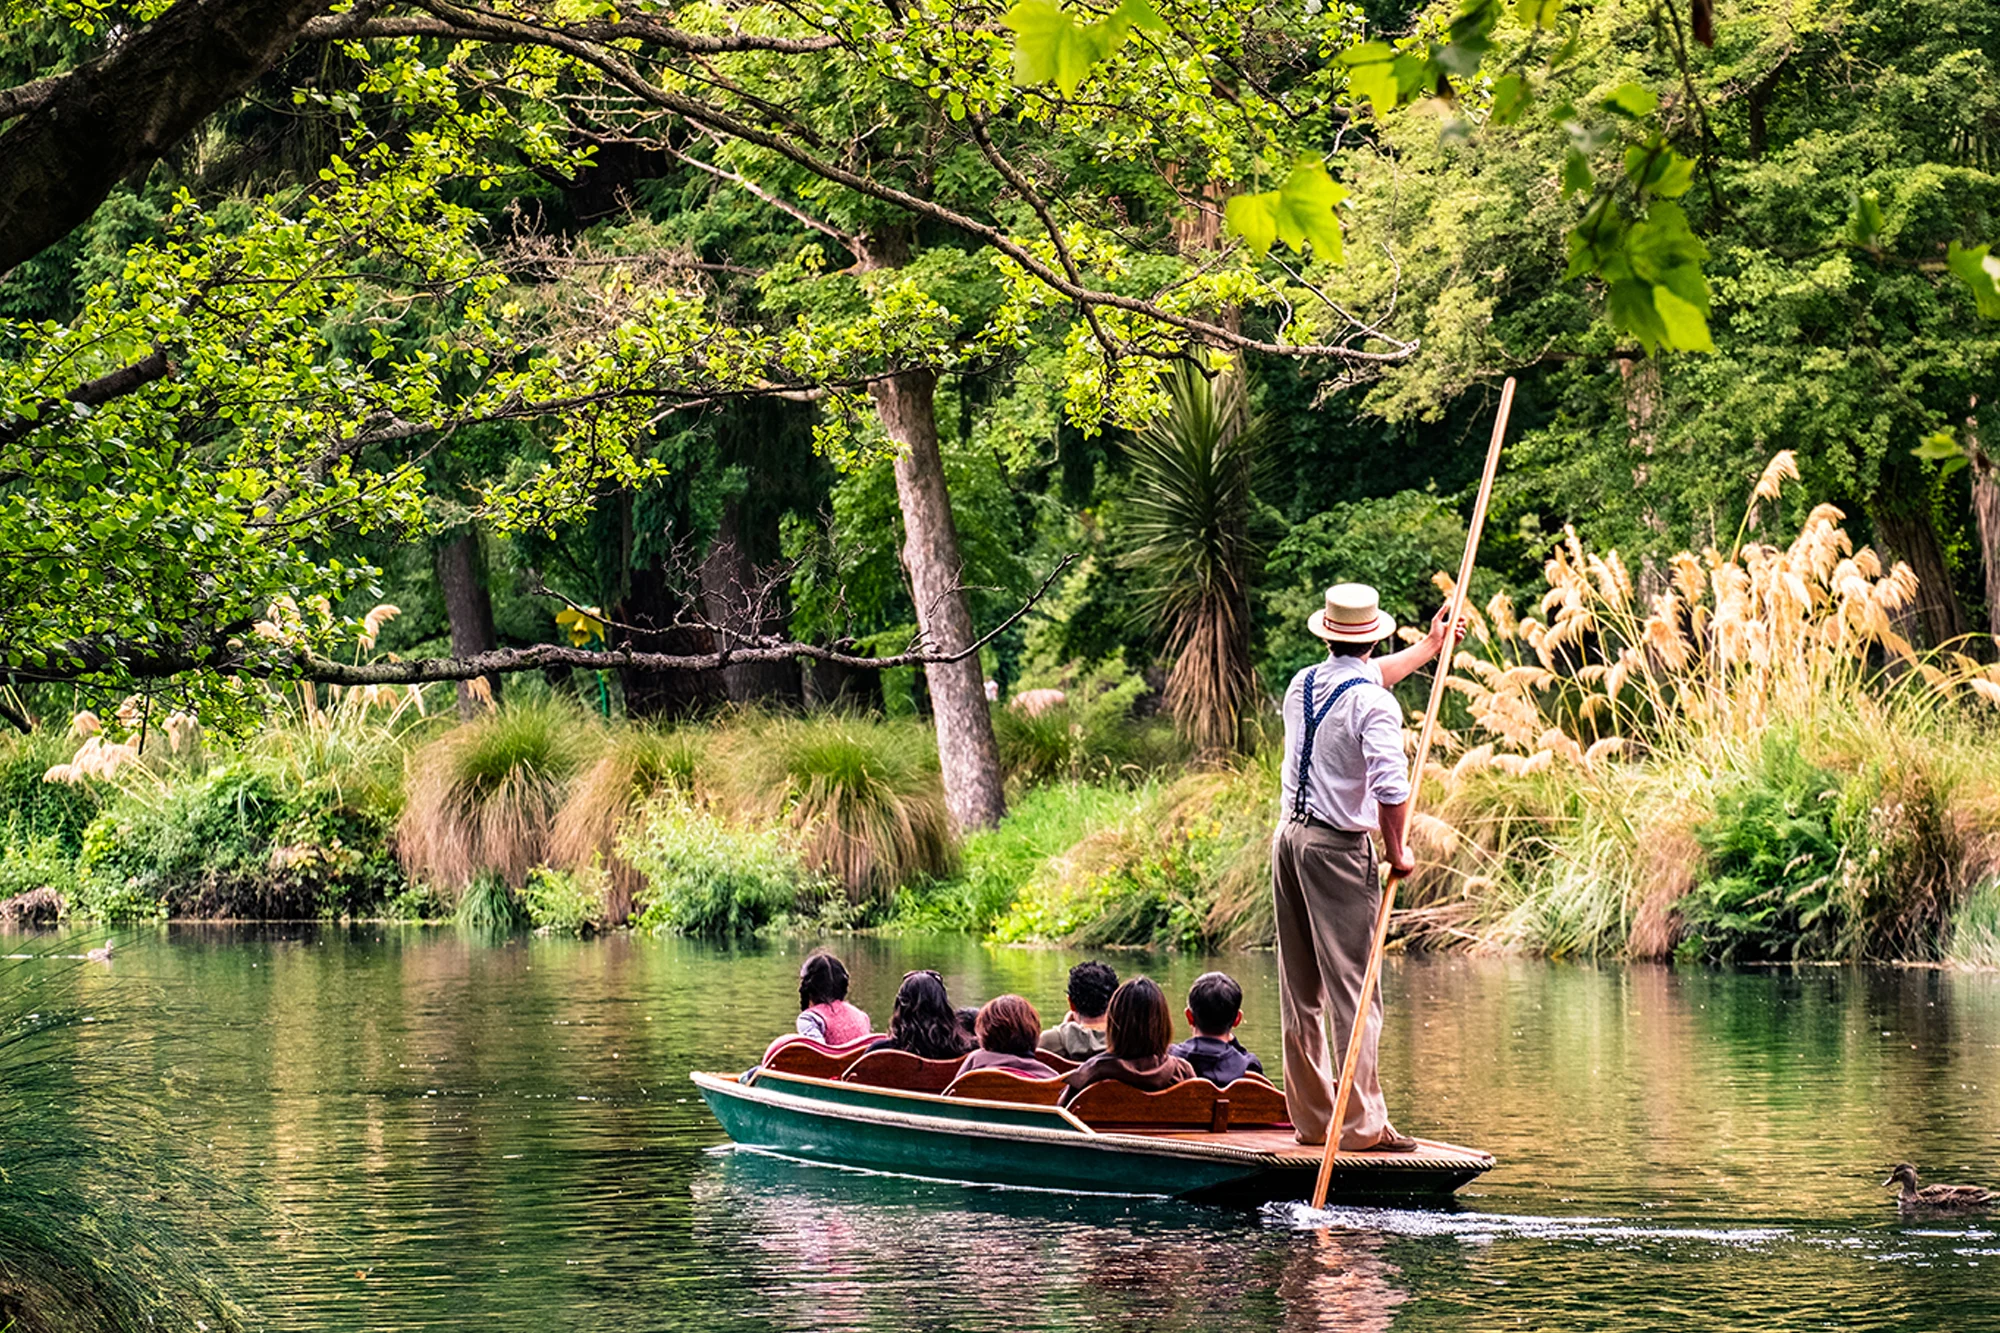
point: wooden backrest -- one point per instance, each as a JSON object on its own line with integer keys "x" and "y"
{"x": 1194, "y": 1104}
{"x": 1004, "y": 1085}
{"x": 900, "y": 1069}
{"x": 802, "y": 1055}
{"x": 1062, "y": 1064}
{"x": 1254, "y": 1102}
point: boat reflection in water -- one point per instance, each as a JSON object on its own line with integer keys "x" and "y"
{"x": 831, "y": 1247}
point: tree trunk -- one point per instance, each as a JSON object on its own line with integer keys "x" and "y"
{"x": 461, "y": 576}
{"x": 973, "y": 787}
{"x": 114, "y": 116}
{"x": 735, "y": 598}
{"x": 654, "y": 599}
{"x": 1986, "y": 517}
{"x": 1910, "y": 536}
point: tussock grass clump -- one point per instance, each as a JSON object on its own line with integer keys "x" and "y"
{"x": 488, "y": 904}
{"x": 1091, "y": 736}
{"x": 863, "y": 799}
{"x": 484, "y": 795}
{"x": 634, "y": 765}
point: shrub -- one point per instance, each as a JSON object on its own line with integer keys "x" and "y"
{"x": 999, "y": 862}
{"x": 706, "y": 877}
{"x": 31, "y": 809}
{"x": 863, "y": 798}
{"x": 484, "y": 795}
{"x": 232, "y": 843}
{"x": 1187, "y": 867}
{"x": 1089, "y": 737}
{"x": 35, "y": 864}
{"x": 562, "y": 902}
{"x": 489, "y": 904}
{"x": 636, "y": 764}
{"x": 1975, "y": 928}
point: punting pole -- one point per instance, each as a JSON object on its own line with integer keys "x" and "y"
{"x": 1374, "y": 973}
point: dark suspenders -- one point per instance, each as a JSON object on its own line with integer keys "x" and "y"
{"x": 1313, "y": 717}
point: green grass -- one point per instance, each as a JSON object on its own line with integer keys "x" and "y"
{"x": 997, "y": 863}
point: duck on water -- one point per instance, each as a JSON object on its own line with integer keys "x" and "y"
{"x": 1935, "y": 1196}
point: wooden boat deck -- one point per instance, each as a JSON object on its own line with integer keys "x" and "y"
{"x": 1280, "y": 1144}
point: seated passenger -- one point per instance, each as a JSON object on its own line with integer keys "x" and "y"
{"x": 824, "y": 1013}
{"x": 923, "y": 1021}
{"x": 1081, "y": 1034}
{"x": 1214, "y": 1008}
{"x": 1137, "y": 1031}
{"x": 1008, "y": 1027}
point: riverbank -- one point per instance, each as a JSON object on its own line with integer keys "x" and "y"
{"x": 1743, "y": 762}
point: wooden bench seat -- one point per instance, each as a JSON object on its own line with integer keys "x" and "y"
{"x": 901, "y": 1070}
{"x": 1194, "y": 1105}
{"x": 808, "y": 1058}
{"x": 1002, "y": 1085}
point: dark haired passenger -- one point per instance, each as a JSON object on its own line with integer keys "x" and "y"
{"x": 1138, "y": 1029}
{"x": 824, "y": 1013}
{"x": 1081, "y": 1034}
{"x": 923, "y": 1021}
{"x": 1214, "y": 1008}
{"x": 1008, "y": 1028}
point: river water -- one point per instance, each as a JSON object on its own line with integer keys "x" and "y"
{"x": 427, "y": 1130}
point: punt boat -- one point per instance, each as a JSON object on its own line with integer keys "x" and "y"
{"x": 890, "y": 1111}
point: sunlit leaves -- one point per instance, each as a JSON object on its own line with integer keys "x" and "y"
{"x": 1979, "y": 269}
{"x": 1052, "y": 45}
{"x": 1942, "y": 447}
{"x": 1299, "y": 212}
{"x": 1865, "y": 223}
{"x": 1634, "y": 100}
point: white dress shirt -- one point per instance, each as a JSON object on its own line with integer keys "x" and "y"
{"x": 1358, "y": 763}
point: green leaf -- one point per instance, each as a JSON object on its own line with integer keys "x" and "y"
{"x": 1371, "y": 74}
{"x": 1537, "y": 13}
{"x": 1254, "y": 218}
{"x": 1140, "y": 14}
{"x": 1305, "y": 212}
{"x": 1511, "y": 97}
{"x": 1979, "y": 270}
{"x": 1685, "y": 325}
{"x": 1576, "y": 173}
{"x": 1299, "y": 212}
{"x": 1938, "y": 446}
{"x": 1632, "y": 100}
{"x": 1050, "y": 45}
{"x": 1631, "y": 309}
{"x": 1865, "y": 222}
{"x": 1658, "y": 169}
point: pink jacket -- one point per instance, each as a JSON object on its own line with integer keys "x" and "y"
{"x": 833, "y": 1024}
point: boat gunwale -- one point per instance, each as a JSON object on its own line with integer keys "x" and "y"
{"x": 1460, "y": 1159}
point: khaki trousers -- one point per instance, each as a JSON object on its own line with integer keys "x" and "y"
{"x": 1326, "y": 891}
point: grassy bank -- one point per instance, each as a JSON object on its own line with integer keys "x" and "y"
{"x": 1742, "y": 762}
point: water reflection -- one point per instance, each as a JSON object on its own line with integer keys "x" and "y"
{"x": 440, "y": 1130}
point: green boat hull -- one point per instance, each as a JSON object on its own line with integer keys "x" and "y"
{"x": 1038, "y": 1147}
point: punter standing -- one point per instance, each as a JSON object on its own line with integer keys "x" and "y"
{"x": 1345, "y": 779}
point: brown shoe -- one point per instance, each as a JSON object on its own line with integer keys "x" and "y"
{"x": 1391, "y": 1141}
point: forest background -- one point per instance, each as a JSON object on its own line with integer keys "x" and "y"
{"x": 581, "y": 465}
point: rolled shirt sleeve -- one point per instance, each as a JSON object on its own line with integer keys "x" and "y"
{"x": 1381, "y": 736}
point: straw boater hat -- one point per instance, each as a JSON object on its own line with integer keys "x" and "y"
{"x": 1353, "y": 614}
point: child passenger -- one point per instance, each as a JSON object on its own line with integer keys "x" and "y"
{"x": 1008, "y": 1027}
{"x": 1137, "y": 1031}
{"x": 1214, "y": 1008}
{"x": 824, "y": 1013}
{"x": 923, "y": 1021}
{"x": 1081, "y": 1035}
